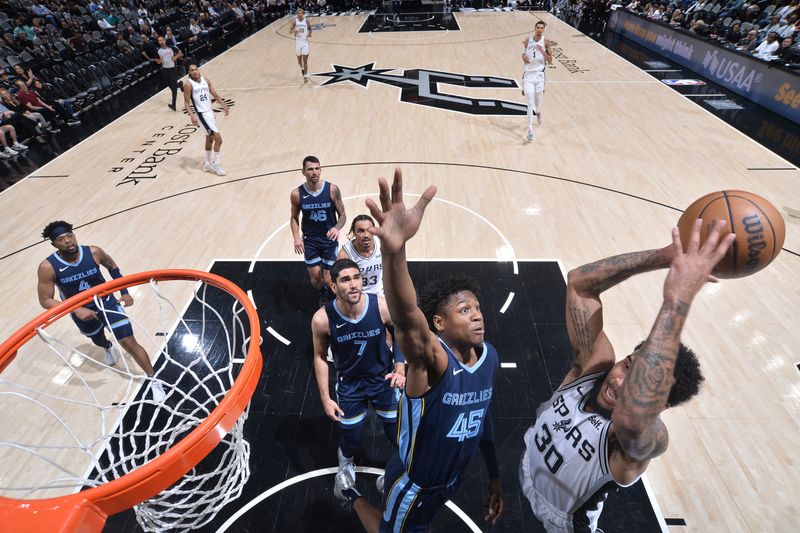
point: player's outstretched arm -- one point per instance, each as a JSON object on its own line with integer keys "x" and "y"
{"x": 423, "y": 353}
{"x": 647, "y": 385}
{"x": 320, "y": 331}
{"x": 294, "y": 221}
{"x": 593, "y": 351}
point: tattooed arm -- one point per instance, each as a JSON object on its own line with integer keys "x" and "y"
{"x": 593, "y": 351}
{"x": 636, "y": 424}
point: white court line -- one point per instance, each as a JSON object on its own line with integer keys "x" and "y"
{"x": 513, "y": 257}
{"x": 250, "y": 295}
{"x": 703, "y": 94}
{"x": 659, "y": 515}
{"x": 665, "y": 70}
{"x": 508, "y": 302}
{"x": 508, "y": 365}
{"x": 278, "y": 336}
{"x": 324, "y": 472}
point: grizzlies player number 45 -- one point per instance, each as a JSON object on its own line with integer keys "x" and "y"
{"x": 466, "y": 426}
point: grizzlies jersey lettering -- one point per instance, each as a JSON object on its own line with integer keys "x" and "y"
{"x": 359, "y": 346}
{"x": 440, "y": 431}
{"x": 72, "y": 278}
{"x": 566, "y": 458}
{"x": 371, "y": 267}
{"x": 535, "y": 57}
{"x": 301, "y": 29}
{"x": 201, "y": 97}
{"x": 319, "y": 212}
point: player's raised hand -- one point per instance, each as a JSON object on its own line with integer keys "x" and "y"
{"x": 126, "y": 300}
{"x": 397, "y": 223}
{"x": 689, "y": 270}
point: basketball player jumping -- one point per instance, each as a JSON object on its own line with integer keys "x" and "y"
{"x": 536, "y": 55}
{"x": 323, "y": 218}
{"x": 200, "y": 92}
{"x": 601, "y": 427}
{"x": 74, "y": 268}
{"x": 443, "y": 414}
{"x": 354, "y": 326}
{"x": 365, "y": 249}
{"x": 301, "y": 29}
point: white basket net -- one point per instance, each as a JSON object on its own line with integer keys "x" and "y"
{"x": 71, "y": 422}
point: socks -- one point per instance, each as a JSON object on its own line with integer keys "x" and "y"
{"x": 208, "y": 156}
{"x": 538, "y": 101}
{"x": 217, "y": 159}
{"x": 530, "y": 112}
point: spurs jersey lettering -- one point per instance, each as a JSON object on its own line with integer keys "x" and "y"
{"x": 319, "y": 212}
{"x": 567, "y": 455}
{"x": 440, "y": 431}
{"x": 535, "y": 57}
{"x": 359, "y": 345}
{"x": 301, "y": 30}
{"x": 371, "y": 267}
{"x": 72, "y": 278}
{"x": 201, "y": 97}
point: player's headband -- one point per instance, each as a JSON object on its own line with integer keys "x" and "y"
{"x": 58, "y": 231}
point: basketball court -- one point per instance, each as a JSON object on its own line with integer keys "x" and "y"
{"x": 618, "y": 157}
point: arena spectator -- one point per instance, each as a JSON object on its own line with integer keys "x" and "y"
{"x": 768, "y": 47}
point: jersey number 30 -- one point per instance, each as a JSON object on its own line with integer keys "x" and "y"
{"x": 466, "y": 426}
{"x": 552, "y": 458}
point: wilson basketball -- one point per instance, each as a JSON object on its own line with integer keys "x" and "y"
{"x": 758, "y": 226}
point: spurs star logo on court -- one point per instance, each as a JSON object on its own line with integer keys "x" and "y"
{"x": 217, "y": 107}
{"x": 421, "y": 87}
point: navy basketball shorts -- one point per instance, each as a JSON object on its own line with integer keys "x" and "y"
{"x": 113, "y": 317}
{"x": 354, "y": 394}
{"x": 320, "y": 251}
{"x": 408, "y": 508}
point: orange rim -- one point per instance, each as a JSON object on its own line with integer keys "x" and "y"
{"x": 88, "y": 509}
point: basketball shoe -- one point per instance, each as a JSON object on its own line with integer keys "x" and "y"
{"x": 110, "y": 357}
{"x": 207, "y": 167}
{"x": 218, "y": 170}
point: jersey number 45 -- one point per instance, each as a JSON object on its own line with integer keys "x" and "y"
{"x": 466, "y": 426}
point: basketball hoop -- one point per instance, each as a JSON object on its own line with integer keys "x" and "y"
{"x": 149, "y": 453}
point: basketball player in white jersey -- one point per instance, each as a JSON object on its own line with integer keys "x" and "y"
{"x": 536, "y": 55}
{"x": 601, "y": 427}
{"x": 365, "y": 249}
{"x": 301, "y": 29}
{"x": 199, "y": 92}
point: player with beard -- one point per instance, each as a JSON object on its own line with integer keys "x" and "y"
{"x": 601, "y": 427}
{"x": 354, "y": 326}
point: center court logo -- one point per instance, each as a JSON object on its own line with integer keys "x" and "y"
{"x": 725, "y": 70}
{"x": 421, "y": 87}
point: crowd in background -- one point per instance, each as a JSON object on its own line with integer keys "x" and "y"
{"x": 59, "y": 59}
{"x": 767, "y": 29}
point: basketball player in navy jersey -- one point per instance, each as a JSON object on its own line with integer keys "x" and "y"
{"x": 443, "y": 414}
{"x": 354, "y": 326}
{"x": 301, "y": 30}
{"x": 320, "y": 202}
{"x": 536, "y": 55}
{"x": 365, "y": 249}
{"x": 73, "y": 269}
{"x": 199, "y": 92}
{"x": 601, "y": 428}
